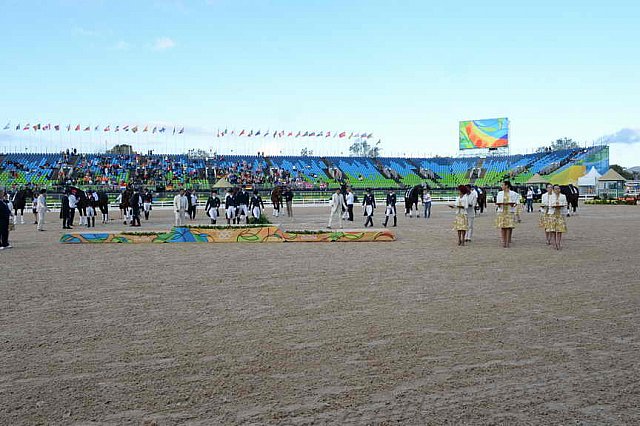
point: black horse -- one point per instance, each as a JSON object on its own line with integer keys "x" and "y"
{"x": 19, "y": 203}
{"x": 573, "y": 195}
{"x": 103, "y": 205}
{"x": 412, "y": 197}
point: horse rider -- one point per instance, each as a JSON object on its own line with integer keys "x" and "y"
{"x": 369, "y": 204}
{"x": 213, "y": 203}
{"x": 391, "y": 208}
{"x": 256, "y": 205}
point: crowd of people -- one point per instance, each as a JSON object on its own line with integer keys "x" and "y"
{"x": 240, "y": 206}
{"x": 553, "y": 210}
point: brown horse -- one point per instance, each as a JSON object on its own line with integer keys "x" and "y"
{"x": 276, "y": 199}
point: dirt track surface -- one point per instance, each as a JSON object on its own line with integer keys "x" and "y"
{"x": 419, "y": 331}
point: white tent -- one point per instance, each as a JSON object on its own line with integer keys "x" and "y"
{"x": 590, "y": 179}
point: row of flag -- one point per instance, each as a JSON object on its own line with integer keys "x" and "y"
{"x": 107, "y": 128}
{"x": 292, "y": 134}
{"x": 220, "y": 133}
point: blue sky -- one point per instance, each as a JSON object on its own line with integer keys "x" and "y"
{"x": 406, "y": 71}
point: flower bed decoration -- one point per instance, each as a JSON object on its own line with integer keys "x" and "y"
{"x": 229, "y": 234}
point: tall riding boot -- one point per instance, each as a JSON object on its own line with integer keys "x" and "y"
{"x": 395, "y": 221}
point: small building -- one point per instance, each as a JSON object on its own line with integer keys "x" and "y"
{"x": 537, "y": 181}
{"x": 587, "y": 184}
{"x": 611, "y": 184}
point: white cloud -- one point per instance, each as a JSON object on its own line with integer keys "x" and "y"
{"x": 122, "y": 45}
{"x": 164, "y": 43}
{"x": 85, "y": 32}
{"x": 626, "y": 136}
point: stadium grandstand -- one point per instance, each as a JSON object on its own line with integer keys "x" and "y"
{"x": 112, "y": 171}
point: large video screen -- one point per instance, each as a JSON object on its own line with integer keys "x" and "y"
{"x": 489, "y": 133}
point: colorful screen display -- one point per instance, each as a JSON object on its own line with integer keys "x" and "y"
{"x": 490, "y": 133}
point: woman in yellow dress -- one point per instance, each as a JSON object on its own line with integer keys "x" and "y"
{"x": 506, "y": 203}
{"x": 556, "y": 224}
{"x": 544, "y": 209}
{"x": 461, "y": 222}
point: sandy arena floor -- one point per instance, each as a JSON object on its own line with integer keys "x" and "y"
{"x": 419, "y": 331}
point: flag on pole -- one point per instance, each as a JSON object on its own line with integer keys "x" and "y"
{"x": 134, "y": 128}
{"x": 370, "y": 135}
{"x": 182, "y": 131}
{"x": 162, "y": 130}
{"x": 117, "y": 129}
{"x": 56, "y": 127}
{"x": 154, "y": 130}
{"x": 250, "y": 133}
{"x": 351, "y": 135}
{"x": 7, "y": 126}
{"x": 174, "y": 130}
{"x": 108, "y": 128}
{"x": 18, "y": 126}
{"x": 289, "y": 134}
{"x": 68, "y": 127}
{"x": 258, "y": 133}
{"x": 77, "y": 128}
{"x": 298, "y": 134}
{"x": 242, "y": 132}
{"x": 86, "y": 129}
{"x": 26, "y": 127}
{"x": 328, "y": 135}
{"x": 126, "y": 128}
{"x": 146, "y": 129}
{"x": 36, "y": 127}
{"x": 46, "y": 126}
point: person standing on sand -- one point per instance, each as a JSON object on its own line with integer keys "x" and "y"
{"x": 426, "y": 202}
{"x": 5, "y": 220}
{"x": 350, "y": 200}
{"x": 337, "y": 205}
{"x": 288, "y": 199}
{"x": 391, "y": 208}
{"x": 212, "y": 206}
{"x": 544, "y": 210}
{"x": 461, "y": 206}
{"x": 472, "y": 196}
{"x": 556, "y": 223}
{"x": 180, "y": 205}
{"x": 42, "y": 208}
{"x": 369, "y": 204}
{"x": 64, "y": 209}
{"x": 506, "y": 202}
